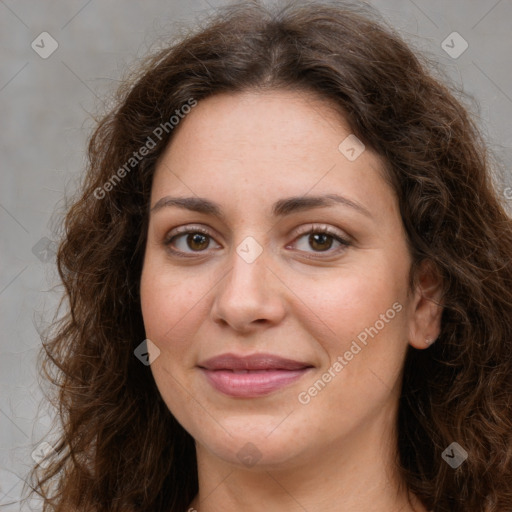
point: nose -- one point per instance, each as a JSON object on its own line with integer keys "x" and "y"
{"x": 250, "y": 294}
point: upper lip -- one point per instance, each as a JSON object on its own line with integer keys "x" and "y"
{"x": 252, "y": 362}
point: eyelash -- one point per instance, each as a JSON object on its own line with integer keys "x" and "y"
{"x": 315, "y": 229}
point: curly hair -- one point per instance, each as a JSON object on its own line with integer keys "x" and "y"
{"x": 119, "y": 447}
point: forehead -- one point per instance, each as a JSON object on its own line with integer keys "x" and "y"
{"x": 266, "y": 145}
{"x": 275, "y": 124}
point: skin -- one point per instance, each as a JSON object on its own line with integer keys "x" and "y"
{"x": 245, "y": 151}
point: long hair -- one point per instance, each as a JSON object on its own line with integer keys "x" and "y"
{"x": 119, "y": 447}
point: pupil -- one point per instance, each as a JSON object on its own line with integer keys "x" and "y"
{"x": 314, "y": 239}
{"x": 318, "y": 241}
{"x": 197, "y": 238}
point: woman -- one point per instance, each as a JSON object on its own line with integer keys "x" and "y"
{"x": 289, "y": 284}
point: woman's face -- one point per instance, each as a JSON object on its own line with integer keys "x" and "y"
{"x": 248, "y": 279}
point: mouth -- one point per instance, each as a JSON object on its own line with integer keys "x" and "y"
{"x": 251, "y": 376}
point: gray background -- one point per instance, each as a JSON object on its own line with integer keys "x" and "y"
{"x": 46, "y": 108}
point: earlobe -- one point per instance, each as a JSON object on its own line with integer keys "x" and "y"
{"x": 426, "y": 309}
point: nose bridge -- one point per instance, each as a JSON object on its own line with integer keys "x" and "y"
{"x": 244, "y": 294}
{"x": 247, "y": 280}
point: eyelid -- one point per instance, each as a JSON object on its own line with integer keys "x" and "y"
{"x": 322, "y": 228}
{"x": 342, "y": 238}
{"x": 300, "y": 231}
{"x": 187, "y": 229}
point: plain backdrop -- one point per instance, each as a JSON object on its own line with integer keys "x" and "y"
{"x": 46, "y": 109}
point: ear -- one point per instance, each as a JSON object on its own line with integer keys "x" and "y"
{"x": 426, "y": 307}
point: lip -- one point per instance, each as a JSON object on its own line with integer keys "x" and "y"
{"x": 251, "y": 376}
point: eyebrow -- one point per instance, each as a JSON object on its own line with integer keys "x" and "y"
{"x": 281, "y": 208}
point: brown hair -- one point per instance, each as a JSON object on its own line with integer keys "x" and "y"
{"x": 120, "y": 449}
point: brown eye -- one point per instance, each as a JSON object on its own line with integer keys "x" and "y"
{"x": 197, "y": 241}
{"x": 186, "y": 242}
{"x": 320, "y": 241}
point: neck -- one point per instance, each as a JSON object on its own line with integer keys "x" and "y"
{"x": 353, "y": 474}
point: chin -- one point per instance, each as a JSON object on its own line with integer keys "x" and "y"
{"x": 254, "y": 445}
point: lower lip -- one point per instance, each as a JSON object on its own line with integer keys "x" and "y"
{"x": 251, "y": 384}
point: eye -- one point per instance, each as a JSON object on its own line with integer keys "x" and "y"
{"x": 322, "y": 239}
{"x": 195, "y": 238}
{"x": 187, "y": 240}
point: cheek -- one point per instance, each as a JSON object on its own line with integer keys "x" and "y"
{"x": 168, "y": 300}
{"x": 360, "y": 317}
{"x": 341, "y": 306}
{"x": 169, "y": 306}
